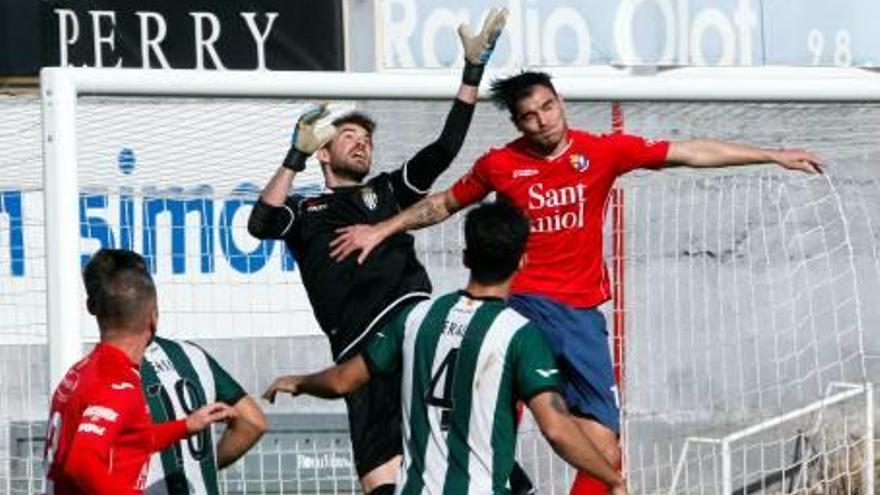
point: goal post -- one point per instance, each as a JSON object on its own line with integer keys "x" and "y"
{"x": 60, "y": 88}
{"x": 838, "y": 393}
{"x": 61, "y": 196}
{"x": 747, "y": 290}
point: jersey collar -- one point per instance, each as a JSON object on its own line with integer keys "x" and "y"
{"x": 468, "y": 295}
{"x": 115, "y": 354}
{"x": 564, "y": 150}
{"x": 525, "y": 149}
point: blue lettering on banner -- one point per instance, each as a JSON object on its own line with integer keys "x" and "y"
{"x": 93, "y": 227}
{"x": 178, "y": 204}
{"x": 95, "y": 210}
{"x": 126, "y": 218}
{"x": 241, "y": 261}
{"x": 197, "y": 202}
{"x": 10, "y": 206}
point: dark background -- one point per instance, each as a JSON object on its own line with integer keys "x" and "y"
{"x": 306, "y": 35}
{"x": 20, "y": 48}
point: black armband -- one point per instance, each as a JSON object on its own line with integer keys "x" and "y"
{"x": 472, "y": 73}
{"x": 295, "y": 160}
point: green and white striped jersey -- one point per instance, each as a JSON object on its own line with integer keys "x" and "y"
{"x": 465, "y": 362}
{"x": 178, "y": 378}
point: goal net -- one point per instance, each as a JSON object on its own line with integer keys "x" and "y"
{"x": 748, "y": 302}
{"x": 745, "y": 297}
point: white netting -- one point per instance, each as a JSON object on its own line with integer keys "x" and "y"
{"x": 747, "y": 290}
{"x": 23, "y": 356}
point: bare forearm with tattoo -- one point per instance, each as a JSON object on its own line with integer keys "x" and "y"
{"x": 429, "y": 211}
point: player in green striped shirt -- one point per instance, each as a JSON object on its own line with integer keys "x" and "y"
{"x": 466, "y": 358}
{"x": 179, "y": 377}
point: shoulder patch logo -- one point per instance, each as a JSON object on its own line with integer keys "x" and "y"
{"x": 579, "y": 162}
{"x": 368, "y": 195}
{"x": 546, "y": 373}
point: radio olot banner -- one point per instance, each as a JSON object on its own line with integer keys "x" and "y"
{"x": 196, "y": 34}
{"x": 421, "y": 33}
{"x": 164, "y": 178}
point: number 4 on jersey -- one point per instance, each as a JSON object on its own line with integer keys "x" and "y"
{"x": 441, "y": 381}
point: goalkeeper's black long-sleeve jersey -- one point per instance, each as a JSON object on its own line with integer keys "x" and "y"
{"x": 353, "y": 301}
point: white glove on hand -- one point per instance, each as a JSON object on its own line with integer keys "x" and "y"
{"x": 307, "y": 137}
{"x": 478, "y": 48}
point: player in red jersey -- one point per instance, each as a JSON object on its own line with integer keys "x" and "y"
{"x": 100, "y": 435}
{"x": 561, "y": 177}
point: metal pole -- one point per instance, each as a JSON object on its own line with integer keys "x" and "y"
{"x": 61, "y": 196}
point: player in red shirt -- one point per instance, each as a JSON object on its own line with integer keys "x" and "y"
{"x": 561, "y": 178}
{"x": 100, "y": 434}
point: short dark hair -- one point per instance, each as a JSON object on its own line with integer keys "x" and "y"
{"x": 119, "y": 285}
{"x": 495, "y": 237}
{"x": 504, "y": 93}
{"x": 356, "y": 118}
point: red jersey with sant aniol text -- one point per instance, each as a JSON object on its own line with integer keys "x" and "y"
{"x": 100, "y": 435}
{"x": 564, "y": 197}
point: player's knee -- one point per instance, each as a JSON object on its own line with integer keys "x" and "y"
{"x": 387, "y": 489}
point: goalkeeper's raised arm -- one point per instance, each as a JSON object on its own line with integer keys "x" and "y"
{"x": 416, "y": 177}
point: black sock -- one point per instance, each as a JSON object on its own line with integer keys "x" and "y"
{"x": 520, "y": 484}
{"x": 386, "y": 489}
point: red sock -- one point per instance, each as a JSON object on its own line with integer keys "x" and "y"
{"x": 584, "y": 484}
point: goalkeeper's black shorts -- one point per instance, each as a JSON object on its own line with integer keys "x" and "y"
{"x": 374, "y": 421}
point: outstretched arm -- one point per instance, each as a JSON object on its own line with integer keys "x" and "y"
{"x": 715, "y": 153}
{"x": 419, "y": 173}
{"x": 242, "y": 432}
{"x": 416, "y": 177}
{"x": 569, "y": 441}
{"x": 329, "y": 383}
{"x": 364, "y": 238}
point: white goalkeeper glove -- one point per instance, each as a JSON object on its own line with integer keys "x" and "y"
{"x": 478, "y": 47}
{"x": 308, "y": 137}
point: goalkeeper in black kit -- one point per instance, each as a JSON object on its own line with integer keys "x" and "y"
{"x": 352, "y": 302}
